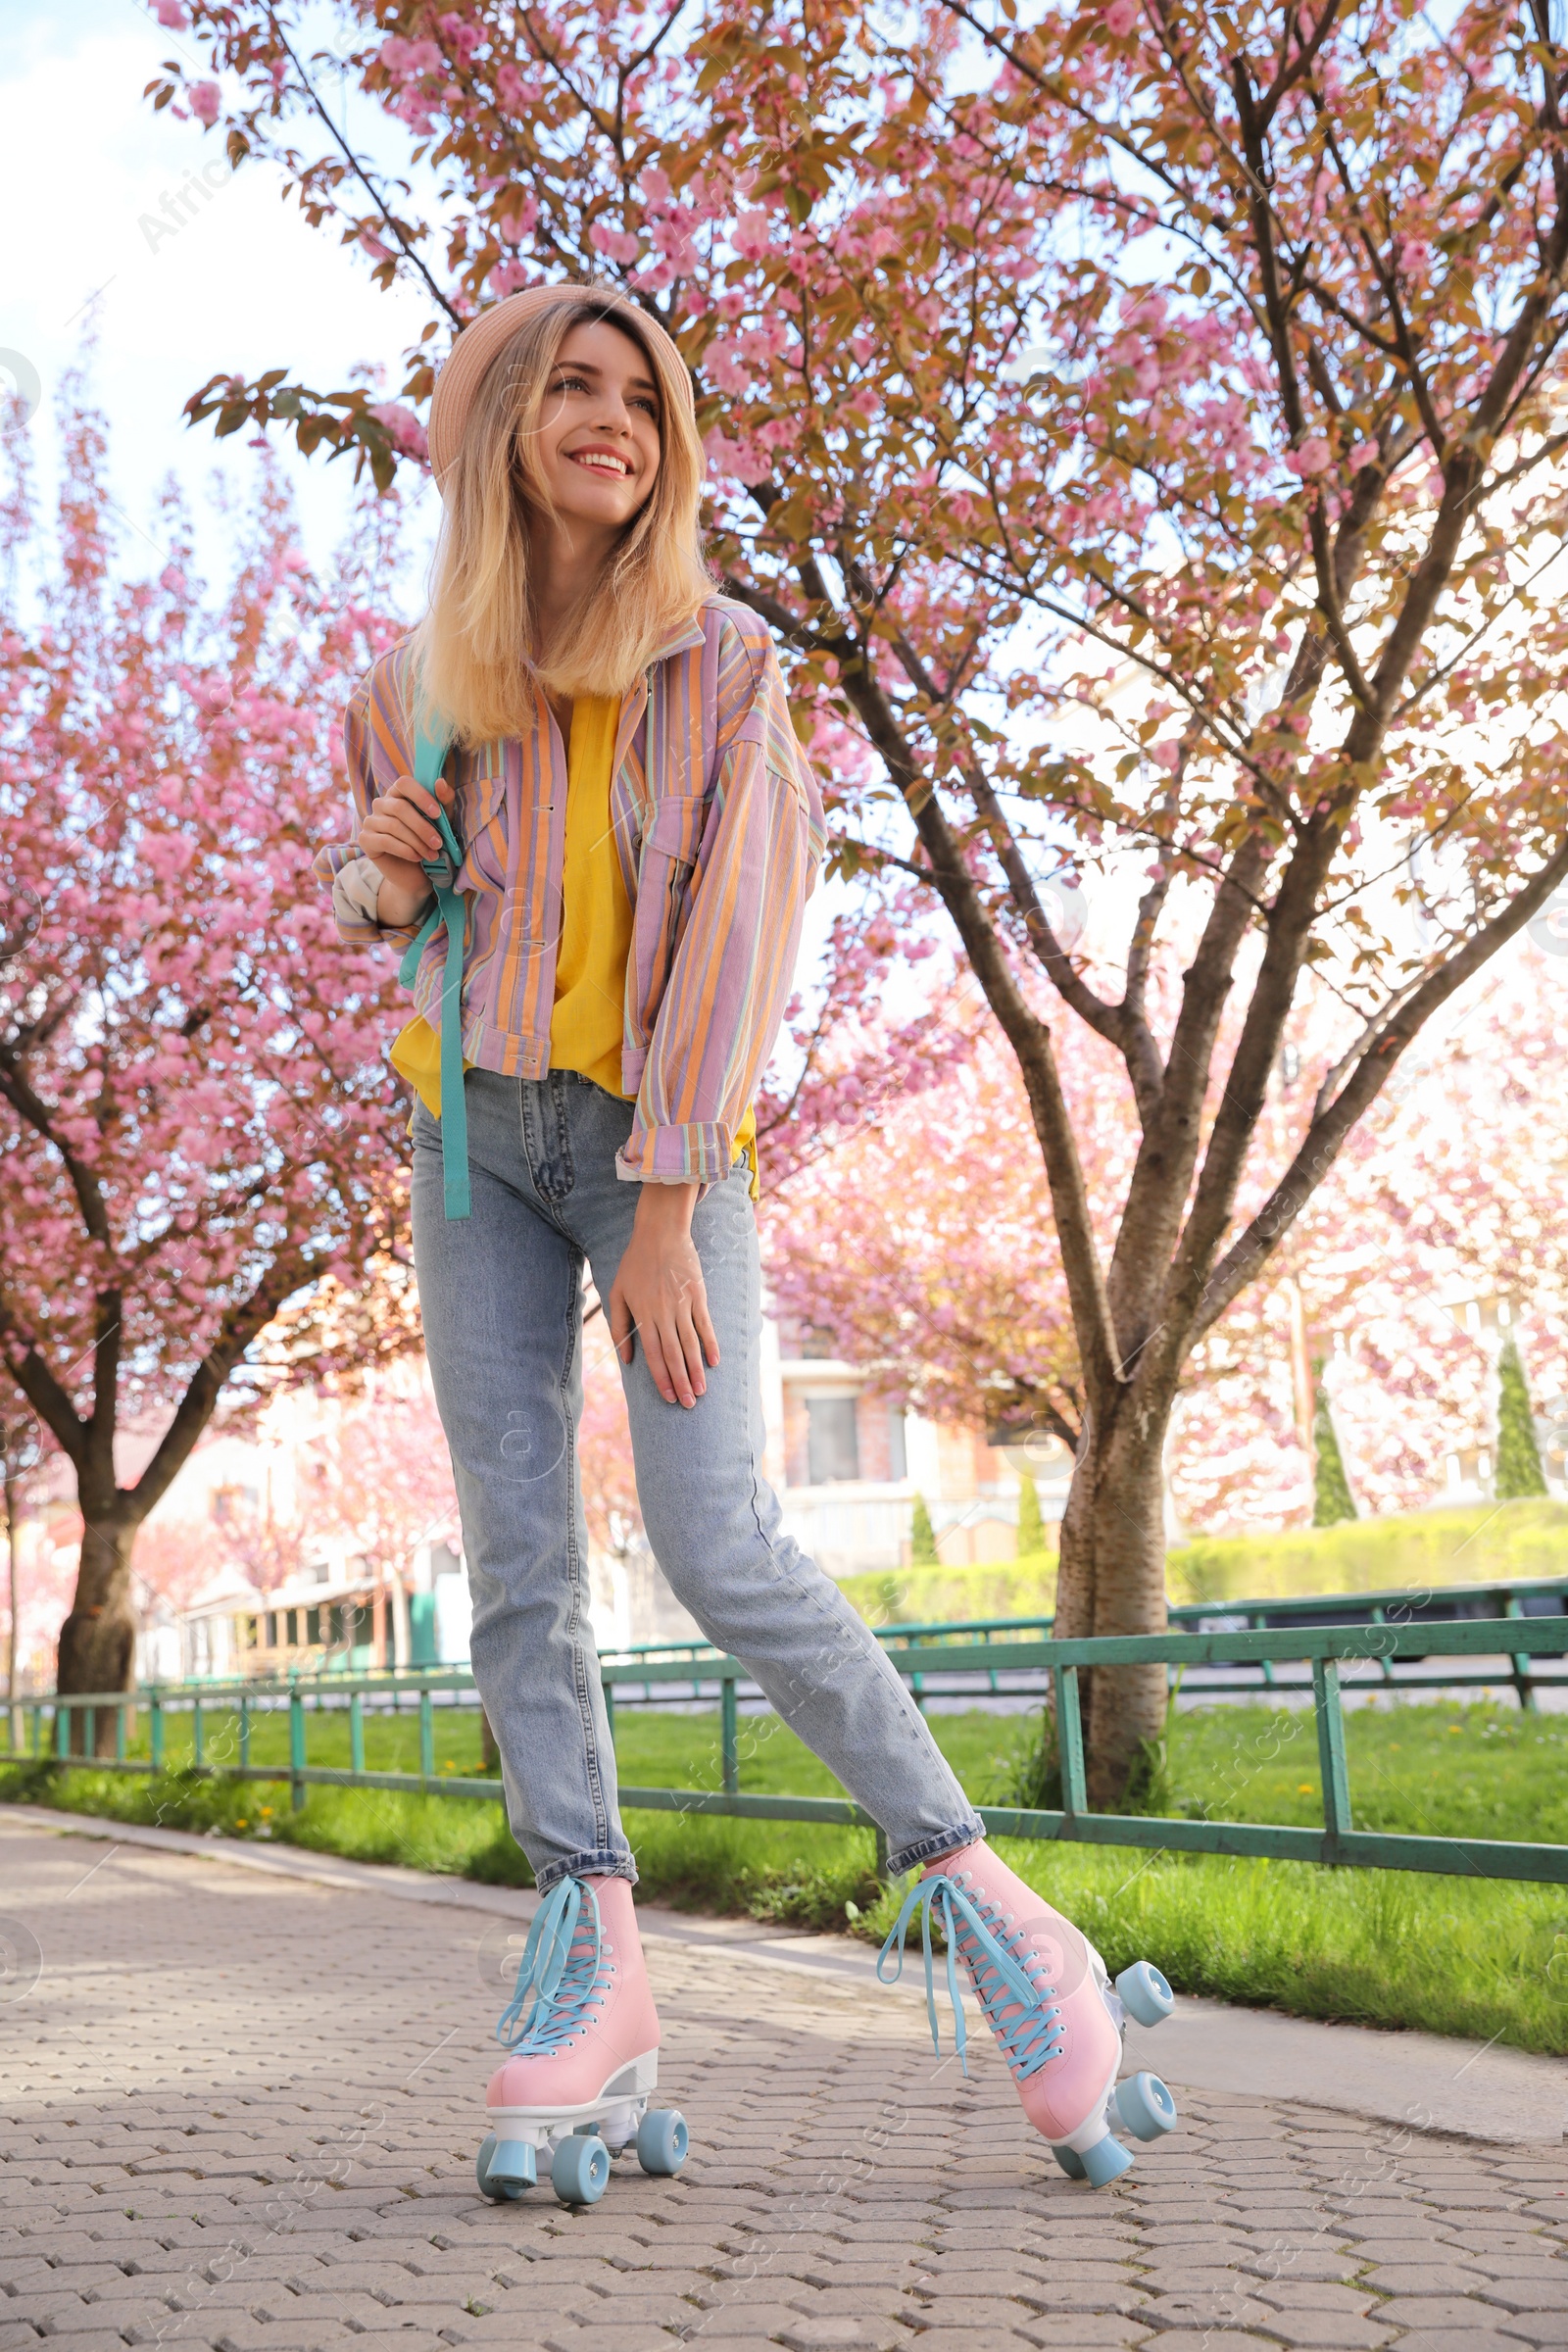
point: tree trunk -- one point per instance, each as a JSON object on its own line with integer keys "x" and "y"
{"x": 13, "y": 1556}
{"x": 98, "y": 1639}
{"x": 1113, "y": 1581}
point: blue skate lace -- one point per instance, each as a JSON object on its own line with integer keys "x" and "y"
{"x": 559, "y": 1981}
{"x": 1028, "y": 2040}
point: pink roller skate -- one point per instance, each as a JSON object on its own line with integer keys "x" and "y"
{"x": 1048, "y": 2001}
{"x": 583, "y": 2035}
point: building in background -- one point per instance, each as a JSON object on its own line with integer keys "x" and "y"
{"x": 848, "y": 1467}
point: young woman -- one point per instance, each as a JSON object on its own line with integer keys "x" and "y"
{"x": 638, "y": 834}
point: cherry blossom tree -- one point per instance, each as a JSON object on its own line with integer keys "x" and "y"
{"x": 198, "y": 1141}
{"x": 1447, "y": 1212}
{"x": 378, "y": 1473}
{"x": 1140, "y": 425}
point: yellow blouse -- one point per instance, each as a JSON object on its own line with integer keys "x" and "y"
{"x": 588, "y": 1024}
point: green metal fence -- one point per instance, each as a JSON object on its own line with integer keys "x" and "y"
{"x": 1524, "y": 1596}
{"x": 1324, "y": 1651}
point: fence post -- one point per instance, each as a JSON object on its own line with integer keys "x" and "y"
{"x": 1331, "y": 1755}
{"x": 296, "y": 1744}
{"x": 609, "y": 1689}
{"x": 1520, "y": 1663}
{"x": 244, "y": 1730}
{"x": 120, "y": 1735}
{"x": 356, "y": 1732}
{"x": 727, "y": 1735}
{"x": 198, "y": 1744}
{"x": 89, "y": 1734}
{"x": 155, "y": 1727}
{"x": 1070, "y": 1743}
{"x": 426, "y": 1736}
{"x": 62, "y": 1729}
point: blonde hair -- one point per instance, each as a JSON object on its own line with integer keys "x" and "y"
{"x": 475, "y": 669}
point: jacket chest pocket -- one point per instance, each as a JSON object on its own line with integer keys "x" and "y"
{"x": 481, "y": 819}
{"x": 671, "y": 844}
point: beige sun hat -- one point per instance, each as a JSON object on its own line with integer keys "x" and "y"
{"x": 485, "y": 339}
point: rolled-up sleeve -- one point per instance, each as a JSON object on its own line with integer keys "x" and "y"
{"x": 730, "y": 978}
{"x": 341, "y": 866}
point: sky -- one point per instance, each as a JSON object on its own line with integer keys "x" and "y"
{"x": 245, "y": 284}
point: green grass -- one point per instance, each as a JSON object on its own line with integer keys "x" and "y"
{"x": 1454, "y": 1955}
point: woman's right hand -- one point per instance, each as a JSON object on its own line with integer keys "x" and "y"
{"x": 399, "y": 831}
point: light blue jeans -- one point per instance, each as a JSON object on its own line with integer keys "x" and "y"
{"x": 501, "y": 1293}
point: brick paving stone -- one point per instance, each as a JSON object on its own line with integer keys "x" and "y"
{"x": 1208, "y": 2339}
{"x": 1424, "y": 2277}
{"x": 1439, "y": 2311}
{"x": 1450, "y": 2340}
{"x": 1329, "y": 2332}
{"x": 311, "y": 2188}
{"x": 1228, "y": 2306}
{"x": 1089, "y": 2333}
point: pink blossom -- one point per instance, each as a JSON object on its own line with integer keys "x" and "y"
{"x": 404, "y": 428}
{"x": 205, "y": 100}
{"x": 750, "y": 236}
{"x": 615, "y": 242}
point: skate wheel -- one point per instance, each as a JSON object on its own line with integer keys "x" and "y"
{"x": 1146, "y": 2107}
{"x": 498, "y": 2191}
{"x": 661, "y": 2140}
{"x": 1145, "y": 1994}
{"x": 1071, "y": 2162}
{"x": 579, "y": 2170}
{"x": 1105, "y": 2162}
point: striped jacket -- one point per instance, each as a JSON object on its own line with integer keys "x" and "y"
{"x": 718, "y": 823}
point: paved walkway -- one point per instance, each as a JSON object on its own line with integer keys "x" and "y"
{"x": 241, "y": 2111}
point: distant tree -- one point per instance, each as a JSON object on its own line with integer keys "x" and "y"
{"x": 1332, "y": 1499}
{"x": 1031, "y": 1527}
{"x": 922, "y": 1536}
{"x": 1519, "y": 1470}
{"x": 197, "y": 1131}
{"x": 20, "y": 1452}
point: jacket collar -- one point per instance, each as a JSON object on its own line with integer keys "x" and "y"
{"x": 684, "y": 639}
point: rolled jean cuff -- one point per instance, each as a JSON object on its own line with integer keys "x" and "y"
{"x": 586, "y": 1865}
{"x": 932, "y": 1848}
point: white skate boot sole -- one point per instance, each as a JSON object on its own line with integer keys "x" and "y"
{"x": 616, "y": 2110}
{"x": 573, "y": 2145}
{"x": 1141, "y": 2106}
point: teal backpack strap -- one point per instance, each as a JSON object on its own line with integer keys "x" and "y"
{"x": 429, "y": 758}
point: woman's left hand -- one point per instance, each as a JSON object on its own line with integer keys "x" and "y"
{"x": 658, "y": 1295}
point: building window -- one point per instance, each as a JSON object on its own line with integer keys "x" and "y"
{"x": 897, "y": 1450}
{"x": 232, "y": 1502}
{"x": 816, "y": 1342}
{"x": 833, "y": 1439}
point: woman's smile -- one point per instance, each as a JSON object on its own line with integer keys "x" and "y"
{"x": 600, "y": 459}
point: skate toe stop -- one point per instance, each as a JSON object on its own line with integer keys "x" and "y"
{"x": 1105, "y": 2162}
